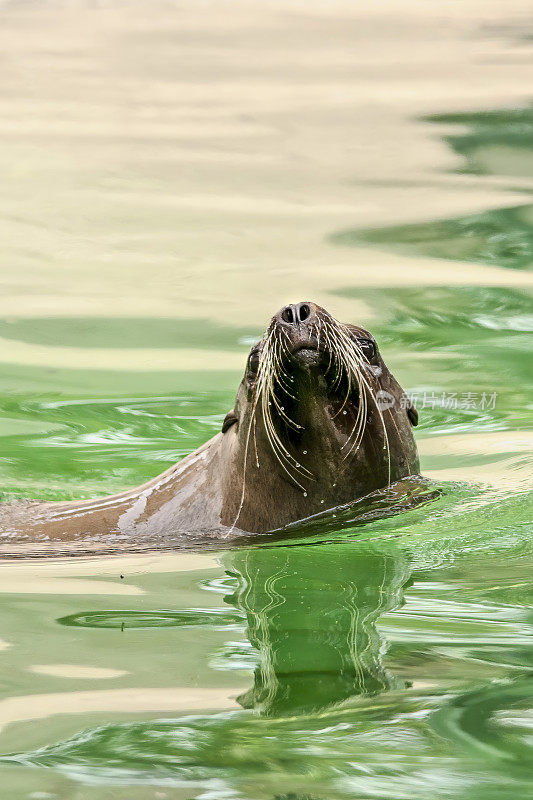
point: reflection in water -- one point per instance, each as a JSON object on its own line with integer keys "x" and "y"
{"x": 312, "y": 614}
{"x": 324, "y": 716}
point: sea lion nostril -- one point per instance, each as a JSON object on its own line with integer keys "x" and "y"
{"x": 294, "y": 314}
{"x": 287, "y": 315}
{"x": 303, "y": 311}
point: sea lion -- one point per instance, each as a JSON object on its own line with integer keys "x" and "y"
{"x": 318, "y": 422}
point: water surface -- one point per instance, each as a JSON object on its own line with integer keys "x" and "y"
{"x": 152, "y": 226}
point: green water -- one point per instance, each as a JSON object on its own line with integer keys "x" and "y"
{"x": 492, "y": 143}
{"x": 503, "y": 236}
{"x": 391, "y": 660}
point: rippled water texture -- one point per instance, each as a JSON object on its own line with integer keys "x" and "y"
{"x": 173, "y": 174}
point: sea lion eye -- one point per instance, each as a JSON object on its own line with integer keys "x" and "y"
{"x": 367, "y": 347}
{"x": 253, "y": 361}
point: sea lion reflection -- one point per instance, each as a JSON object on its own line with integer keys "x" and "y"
{"x": 311, "y": 614}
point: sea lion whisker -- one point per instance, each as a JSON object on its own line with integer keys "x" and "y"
{"x": 277, "y": 444}
{"x": 346, "y": 396}
{"x": 342, "y": 334}
{"x": 354, "y": 368}
{"x": 255, "y": 438}
{"x": 266, "y": 381}
{"x": 340, "y": 359}
{"x": 280, "y": 408}
{"x": 344, "y": 348}
{"x": 280, "y": 456}
{"x": 245, "y": 459}
{"x": 279, "y": 364}
{"x": 329, "y": 348}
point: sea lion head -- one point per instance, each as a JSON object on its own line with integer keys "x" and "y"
{"x": 319, "y": 420}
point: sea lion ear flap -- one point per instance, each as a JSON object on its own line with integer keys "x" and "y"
{"x": 230, "y": 419}
{"x": 412, "y": 413}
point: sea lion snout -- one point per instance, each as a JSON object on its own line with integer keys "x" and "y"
{"x": 299, "y": 324}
